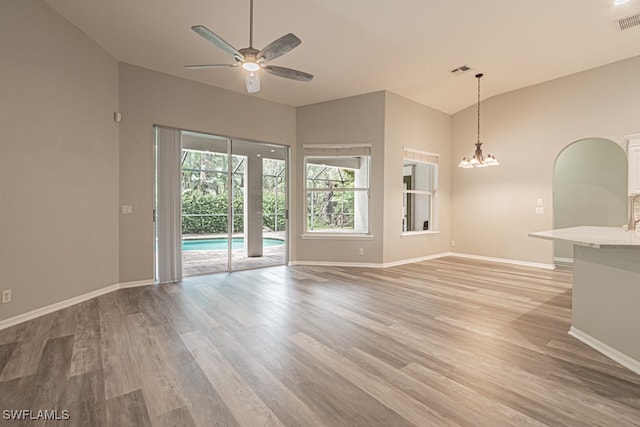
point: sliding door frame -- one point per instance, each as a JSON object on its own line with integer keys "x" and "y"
{"x": 230, "y": 211}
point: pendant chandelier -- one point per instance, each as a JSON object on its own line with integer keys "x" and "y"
{"x": 478, "y": 160}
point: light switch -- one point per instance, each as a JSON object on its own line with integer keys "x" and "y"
{"x": 539, "y": 202}
{"x": 539, "y": 210}
{"x": 127, "y": 209}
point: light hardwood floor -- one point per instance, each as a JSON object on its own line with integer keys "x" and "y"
{"x": 443, "y": 342}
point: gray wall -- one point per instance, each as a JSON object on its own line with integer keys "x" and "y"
{"x": 493, "y": 209}
{"x": 355, "y": 120}
{"x": 589, "y": 188}
{"x": 388, "y": 122}
{"x": 147, "y": 98}
{"x": 615, "y": 320}
{"x": 412, "y": 125}
{"x": 59, "y": 161}
{"x": 66, "y": 166}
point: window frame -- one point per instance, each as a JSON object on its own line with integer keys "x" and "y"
{"x": 425, "y": 158}
{"x": 311, "y": 151}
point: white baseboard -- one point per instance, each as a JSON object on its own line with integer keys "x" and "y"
{"x": 610, "y": 352}
{"x": 127, "y": 285}
{"x": 505, "y": 261}
{"x": 424, "y": 258}
{"x": 414, "y": 260}
{"x": 367, "y": 264}
{"x": 336, "y": 264}
{"x": 20, "y": 318}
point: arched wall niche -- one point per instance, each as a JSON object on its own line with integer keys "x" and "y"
{"x": 589, "y": 188}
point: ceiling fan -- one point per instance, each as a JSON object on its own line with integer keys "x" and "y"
{"x": 252, "y": 59}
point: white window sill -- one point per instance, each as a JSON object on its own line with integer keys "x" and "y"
{"x": 409, "y": 234}
{"x": 336, "y": 236}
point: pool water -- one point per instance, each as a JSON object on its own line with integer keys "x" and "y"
{"x": 221, "y": 243}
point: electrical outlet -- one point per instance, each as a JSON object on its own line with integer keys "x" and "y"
{"x": 126, "y": 209}
{"x": 453, "y": 243}
{"x": 6, "y": 296}
{"x": 361, "y": 251}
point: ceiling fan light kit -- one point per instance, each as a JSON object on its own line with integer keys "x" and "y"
{"x": 253, "y": 60}
{"x": 252, "y": 82}
{"x": 478, "y": 160}
{"x": 251, "y": 66}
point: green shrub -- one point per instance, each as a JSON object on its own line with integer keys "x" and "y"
{"x": 212, "y": 213}
{"x": 268, "y": 210}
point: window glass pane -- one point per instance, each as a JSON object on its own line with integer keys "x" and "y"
{"x": 419, "y": 189}
{"x": 337, "y": 192}
{"x": 274, "y": 189}
{"x": 421, "y": 176}
{"x": 338, "y": 172}
{"x": 204, "y": 171}
{"x": 417, "y": 212}
{"x": 328, "y": 210}
{"x": 324, "y": 176}
{"x": 205, "y": 192}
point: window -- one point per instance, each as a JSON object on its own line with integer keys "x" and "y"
{"x": 420, "y": 185}
{"x": 337, "y": 189}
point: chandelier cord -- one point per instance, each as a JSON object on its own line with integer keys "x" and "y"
{"x": 478, "y": 160}
{"x": 479, "y": 76}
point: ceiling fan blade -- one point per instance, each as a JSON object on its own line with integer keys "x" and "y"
{"x": 288, "y": 73}
{"x": 206, "y": 66}
{"x": 279, "y": 47}
{"x": 217, "y": 40}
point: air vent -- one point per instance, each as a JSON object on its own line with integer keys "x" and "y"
{"x": 461, "y": 69}
{"x": 629, "y": 22}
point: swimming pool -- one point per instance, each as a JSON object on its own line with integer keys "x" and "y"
{"x": 221, "y": 243}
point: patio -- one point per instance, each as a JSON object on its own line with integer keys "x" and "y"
{"x": 195, "y": 263}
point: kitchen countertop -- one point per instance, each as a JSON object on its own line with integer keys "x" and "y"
{"x": 593, "y": 237}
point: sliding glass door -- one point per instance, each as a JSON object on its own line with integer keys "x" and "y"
{"x": 233, "y": 213}
{"x": 260, "y": 206}
{"x": 205, "y": 194}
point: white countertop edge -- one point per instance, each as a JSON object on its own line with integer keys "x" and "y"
{"x": 593, "y": 237}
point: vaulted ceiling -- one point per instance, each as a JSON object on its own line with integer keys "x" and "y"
{"x": 359, "y": 46}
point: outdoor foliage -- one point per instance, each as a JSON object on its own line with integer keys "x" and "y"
{"x": 331, "y": 205}
{"x": 269, "y": 209}
{"x": 330, "y": 210}
{"x": 211, "y": 211}
{"x": 205, "y": 194}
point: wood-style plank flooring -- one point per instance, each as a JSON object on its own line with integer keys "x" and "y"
{"x": 438, "y": 343}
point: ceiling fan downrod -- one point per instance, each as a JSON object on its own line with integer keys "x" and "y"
{"x": 251, "y": 24}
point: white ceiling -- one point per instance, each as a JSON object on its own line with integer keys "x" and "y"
{"x": 358, "y": 46}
